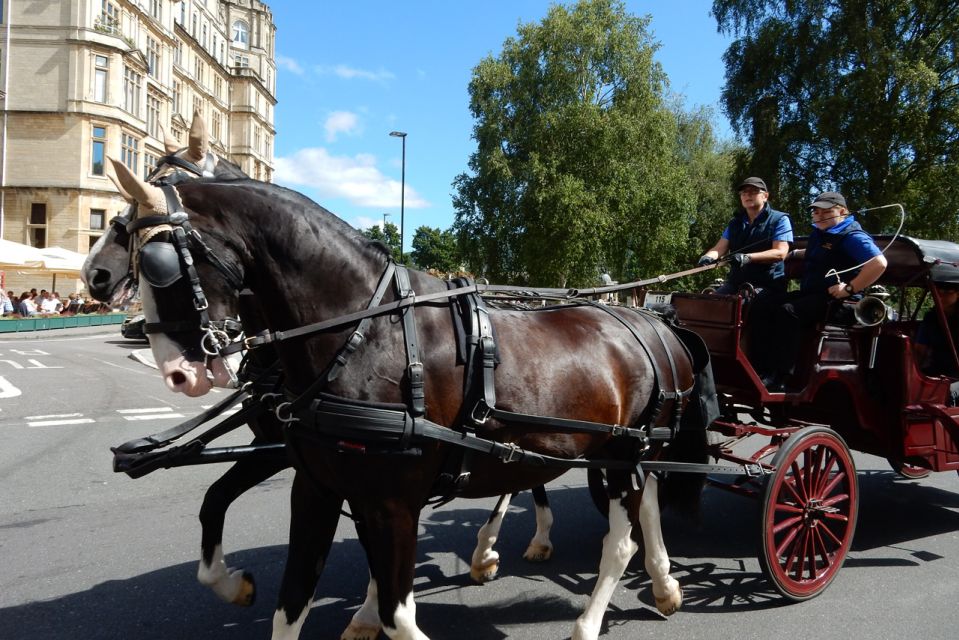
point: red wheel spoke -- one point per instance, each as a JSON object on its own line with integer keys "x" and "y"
{"x": 787, "y": 540}
{"x": 800, "y": 479}
{"x": 836, "y": 499}
{"x": 788, "y": 523}
{"x": 787, "y": 507}
{"x": 790, "y": 484}
{"x": 839, "y": 477}
{"x": 819, "y": 550}
{"x": 835, "y": 539}
{"x": 826, "y": 463}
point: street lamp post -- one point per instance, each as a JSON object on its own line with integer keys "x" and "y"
{"x": 402, "y": 135}
{"x": 384, "y": 220}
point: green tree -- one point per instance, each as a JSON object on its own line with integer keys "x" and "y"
{"x": 435, "y": 249}
{"x": 860, "y": 95}
{"x": 577, "y": 165}
{"x": 389, "y": 235}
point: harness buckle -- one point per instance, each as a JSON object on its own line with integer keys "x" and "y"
{"x": 480, "y": 407}
{"x": 200, "y": 304}
{"x": 617, "y": 430}
{"x": 214, "y": 340}
{"x": 510, "y": 453}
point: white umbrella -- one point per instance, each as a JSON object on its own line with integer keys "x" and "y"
{"x": 14, "y": 254}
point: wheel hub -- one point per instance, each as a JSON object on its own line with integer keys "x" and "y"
{"x": 815, "y": 511}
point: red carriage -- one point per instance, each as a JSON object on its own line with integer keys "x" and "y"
{"x": 859, "y": 387}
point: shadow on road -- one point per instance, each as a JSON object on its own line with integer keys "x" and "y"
{"x": 168, "y": 603}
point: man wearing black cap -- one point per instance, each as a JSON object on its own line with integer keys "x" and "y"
{"x": 839, "y": 261}
{"x": 756, "y": 241}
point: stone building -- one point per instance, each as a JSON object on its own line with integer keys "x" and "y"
{"x": 81, "y": 80}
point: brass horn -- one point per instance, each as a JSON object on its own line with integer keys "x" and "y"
{"x": 870, "y": 311}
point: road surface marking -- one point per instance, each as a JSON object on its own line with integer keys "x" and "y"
{"x": 56, "y": 423}
{"x": 7, "y": 390}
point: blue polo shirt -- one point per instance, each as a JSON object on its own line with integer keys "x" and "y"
{"x": 844, "y": 246}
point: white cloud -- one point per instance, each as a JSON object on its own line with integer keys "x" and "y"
{"x": 341, "y": 122}
{"x": 355, "y": 179}
{"x": 349, "y": 73}
{"x": 289, "y": 64}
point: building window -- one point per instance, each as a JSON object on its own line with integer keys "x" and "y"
{"x": 182, "y": 17}
{"x": 109, "y": 20}
{"x": 256, "y": 139}
{"x": 149, "y": 164}
{"x": 218, "y": 87}
{"x": 216, "y": 124}
{"x": 176, "y": 96}
{"x": 153, "y": 57}
{"x": 156, "y": 9}
{"x": 198, "y": 69}
{"x": 132, "y": 81}
{"x": 241, "y": 34}
{"x": 197, "y": 106}
{"x": 193, "y": 27}
{"x": 204, "y": 41}
{"x": 130, "y": 152}
{"x": 100, "y": 77}
{"x": 241, "y": 61}
{"x": 178, "y": 53}
{"x": 97, "y": 219}
{"x": 153, "y": 115}
{"x": 177, "y": 133}
{"x": 37, "y": 229}
{"x": 97, "y": 152}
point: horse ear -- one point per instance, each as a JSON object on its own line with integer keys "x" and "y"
{"x": 169, "y": 142}
{"x": 199, "y": 144}
{"x": 146, "y": 194}
{"x": 116, "y": 183}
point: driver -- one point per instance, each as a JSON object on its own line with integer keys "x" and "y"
{"x": 756, "y": 241}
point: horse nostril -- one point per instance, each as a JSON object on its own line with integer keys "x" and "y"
{"x": 100, "y": 278}
{"x": 178, "y": 378}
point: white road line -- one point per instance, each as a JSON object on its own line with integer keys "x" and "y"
{"x": 7, "y": 390}
{"x": 54, "y": 415}
{"x": 55, "y": 423}
{"x": 155, "y": 416}
{"x": 150, "y": 410}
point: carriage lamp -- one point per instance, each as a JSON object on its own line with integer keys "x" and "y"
{"x": 402, "y": 136}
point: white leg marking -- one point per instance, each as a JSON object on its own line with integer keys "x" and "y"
{"x": 284, "y": 631}
{"x": 618, "y": 548}
{"x": 666, "y": 591}
{"x": 365, "y": 624}
{"x": 485, "y": 562}
{"x": 405, "y": 619}
{"x": 226, "y": 582}
{"x": 540, "y": 547}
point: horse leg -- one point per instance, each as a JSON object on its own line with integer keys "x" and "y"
{"x": 365, "y": 624}
{"x": 314, "y": 513}
{"x": 231, "y": 585}
{"x": 618, "y": 548}
{"x": 540, "y": 547}
{"x": 392, "y": 549}
{"x": 485, "y": 562}
{"x": 666, "y": 590}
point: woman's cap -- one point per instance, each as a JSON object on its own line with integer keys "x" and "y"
{"x": 753, "y": 182}
{"x": 828, "y": 200}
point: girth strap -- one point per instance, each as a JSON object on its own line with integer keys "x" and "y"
{"x": 414, "y": 366}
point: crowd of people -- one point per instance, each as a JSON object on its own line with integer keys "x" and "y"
{"x": 46, "y": 303}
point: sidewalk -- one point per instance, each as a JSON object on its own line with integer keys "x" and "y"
{"x": 73, "y": 332}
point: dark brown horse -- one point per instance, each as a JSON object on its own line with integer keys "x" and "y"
{"x": 108, "y": 275}
{"x": 609, "y": 379}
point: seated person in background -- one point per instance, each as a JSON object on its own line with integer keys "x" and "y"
{"x": 6, "y": 304}
{"x": 49, "y": 303}
{"x": 837, "y": 243}
{"x": 756, "y": 239}
{"x": 26, "y": 306}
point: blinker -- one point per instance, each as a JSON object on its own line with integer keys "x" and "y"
{"x": 160, "y": 264}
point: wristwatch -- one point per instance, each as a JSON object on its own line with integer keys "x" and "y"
{"x": 848, "y": 289}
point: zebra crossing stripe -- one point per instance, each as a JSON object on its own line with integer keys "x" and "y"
{"x": 57, "y": 423}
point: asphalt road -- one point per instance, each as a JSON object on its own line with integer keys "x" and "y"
{"x": 88, "y": 554}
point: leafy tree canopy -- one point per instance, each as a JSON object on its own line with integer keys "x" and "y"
{"x": 435, "y": 249}
{"x": 389, "y": 235}
{"x": 580, "y": 162}
{"x": 858, "y": 95}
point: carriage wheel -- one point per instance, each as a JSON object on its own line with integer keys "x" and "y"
{"x": 907, "y": 470}
{"x": 809, "y": 513}
{"x": 597, "y": 490}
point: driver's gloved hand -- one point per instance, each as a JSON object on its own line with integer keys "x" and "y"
{"x": 705, "y": 260}
{"x": 742, "y": 259}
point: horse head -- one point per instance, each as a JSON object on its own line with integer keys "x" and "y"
{"x": 106, "y": 271}
{"x": 187, "y": 323}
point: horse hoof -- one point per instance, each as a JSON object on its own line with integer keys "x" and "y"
{"x": 484, "y": 573}
{"x": 246, "y": 595}
{"x": 670, "y": 604}
{"x": 538, "y": 553}
{"x": 357, "y": 631}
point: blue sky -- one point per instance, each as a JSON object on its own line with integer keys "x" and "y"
{"x": 351, "y": 72}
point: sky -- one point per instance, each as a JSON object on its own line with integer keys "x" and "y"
{"x": 349, "y": 73}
